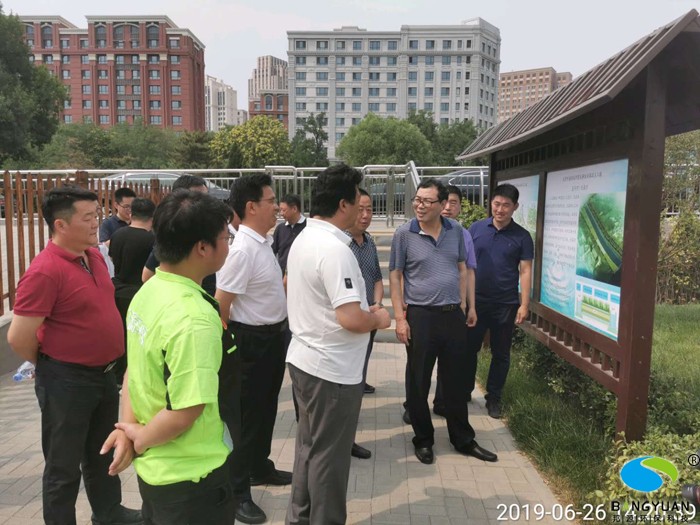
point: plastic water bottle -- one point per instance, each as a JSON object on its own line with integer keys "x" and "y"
{"x": 25, "y": 371}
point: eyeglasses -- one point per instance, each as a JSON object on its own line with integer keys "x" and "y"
{"x": 127, "y": 207}
{"x": 229, "y": 238}
{"x": 272, "y": 200}
{"x": 417, "y": 201}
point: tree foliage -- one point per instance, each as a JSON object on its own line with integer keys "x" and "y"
{"x": 376, "y": 140}
{"x": 259, "y": 142}
{"x": 681, "y": 188}
{"x": 308, "y": 145}
{"x": 451, "y": 140}
{"x": 30, "y": 98}
{"x": 193, "y": 149}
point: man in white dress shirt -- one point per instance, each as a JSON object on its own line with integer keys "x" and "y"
{"x": 330, "y": 323}
{"x": 253, "y": 303}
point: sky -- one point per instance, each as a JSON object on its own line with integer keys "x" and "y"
{"x": 568, "y": 36}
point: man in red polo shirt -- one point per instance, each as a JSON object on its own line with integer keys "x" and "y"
{"x": 65, "y": 320}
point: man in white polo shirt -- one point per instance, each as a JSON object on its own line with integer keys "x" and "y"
{"x": 253, "y": 303}
{"x": 330, "y": 323}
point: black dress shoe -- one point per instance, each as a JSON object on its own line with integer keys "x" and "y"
{"x": 425, "y": 455}
{"x": 248, "y": 512}
{"x": 275, "y": 477}
{"x": 473, "y": 449}
{"x": 494, "y": 409}
{"x": 360, "y": 452}
{"x": 120, "y": 515}
{"x": 369, "y": 389}
{"x": 406, "y": 417}
{"x": 439, "y": 411}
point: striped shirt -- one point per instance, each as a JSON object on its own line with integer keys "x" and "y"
{"x": 368, "y": 259}
{"x": 430, "y": 271}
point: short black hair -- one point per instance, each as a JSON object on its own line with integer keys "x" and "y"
{"x": 123, "y": 193}
{"x": 58, "y": 203}
{"x": 508, "y": 191}
{"x": 292, "y": 199}
{"x": 187, "y": 182}
{"x": 454, "y": 190}
{"x": 364, "y": 192}
{"x": 333, "y": 185}
{"x": 142, "y": 209}
{"x": 434, "y": 183}
{"x": 248, "y": 188}
{"x": 184, "y": 218}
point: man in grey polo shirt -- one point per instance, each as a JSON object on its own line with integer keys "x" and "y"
{"x": 429, "y": 254}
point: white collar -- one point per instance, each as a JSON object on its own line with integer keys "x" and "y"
{"x": 300, "y": 221}
{"x": 250, "y": 232}
{"x": 331, "y": 228}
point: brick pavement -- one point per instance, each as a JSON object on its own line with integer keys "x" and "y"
{"x": 392, "y": 487}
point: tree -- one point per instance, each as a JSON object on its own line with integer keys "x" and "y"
{"x": 384, "y": 141}
{"x": 681, "y": 187}
{"x": 141, "y": 146}
{"x": 425, "y": 122}
{"x": 193, "y": 149}
{"x": 30, "y": 98}
{"x": 451, "y": 140}
{"x": 310, "y": 151}
{"x": 259, "y": 142}
{"x": 79, "y": 146}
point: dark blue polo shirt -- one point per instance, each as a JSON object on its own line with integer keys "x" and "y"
{"x": 109, "y": 226}
{"x": 430, "y": 272}
{"x": 498, "y": 256}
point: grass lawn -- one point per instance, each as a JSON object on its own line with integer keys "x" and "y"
{"x": 676, "y": 347}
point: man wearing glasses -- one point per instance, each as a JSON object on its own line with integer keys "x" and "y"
{"x": 254, "y": 305}
{"x": 123, "y": 198}
{"x": 429, "y": 254}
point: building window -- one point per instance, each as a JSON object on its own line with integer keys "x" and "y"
{"x": 300, "y": 91}
{"x": 118, "y": 36}
{"x": 340, "y": 106}
{"x": 86, "y": 90}
{"x": 339, "y": 121}
{"x": 87, "y": 104}
{"x": 447, "y": 44}
{"x": 300, "y": 61}
{"x": 174, "y": 43}
{"x": 356, "y": 92}
{"x": 373, "y": 106}
{"x": 374, "y": 92}
{"x": 84, "y": 59}
{"x": 47, "y": 59}
{"x": 321, "y": 61}
{"x": 135, "y": 59}
{"x": 390, "y": 92}
{"x": 175, "y": 75}
{"x": 135, "y": 90}
{"x": 391, "y": 61}
{"x": 428, "y": 106}
{"x": 102, "y": 73}
{"x": 121, "y": 90}
{"x": 65, "y": 59}
{"x": 100, "y": 36}
{"x": 153, "y": 59}
{"x": 300, "y": 44}
{"x": 375, "y": 45}
{"x": 339, "y": 61}
{"x": 429, "y": 76}
{"x": 459, "y": 75}
{"x": 356, "y": 61}
{"x": 340, "y": 76}
{"x": 65, "y": 74}
{"x": 67, "y": 119}
{"x": 357, "y": 106}
{"x": 339, "y": 136}
{"x": 446, "y": 60}
{"x": 392, "y": 45}
{"x": 444, "y": 120}
{"x": 357, "y": 45}
{"x": 136, "y": 104}
{"x": 121, "y": 74}
{"x": 321, "y": 91}
{"x": 391, "y": 76}
{"x": 374, "y": 61}
{"x": 321, "y": 106}
{"x": 268, "y": 102}
{"x": 373, "y": 75}
{"x": 300, "y": 106}
{"x": 391, "y": 107}
{"x": 340, "y": 92}
{"x": 412, "y": 106}
{"x": 412, "y": 60}
{"x": 413, "y": 44}
{"x": 101, "y": 59}
{"x": 47, "y": 37}
{"x": 135, "y": 36}
{"x": 65, "y": 43}
{"x": 430, "y": 44}
{"x": 356, "y": 120}
{"x": 300, "y": 75}
{"x": 152, "y": 36}
{"x": 119, "y": 59}
{"x": 154, "y": 104}
{"x": 444, "y": 106}
{"x": 103, "y": 90}
{"x": 121, "y": 104}
{"x": 136, "y": 74}
{"x": 121, "y": 119}
{"x": 176, "y": 90}
{"x": 357, "y": 76}
{"x": 177, "y": 120}
{"x": 154, "y": 90}
{"x": 413, "y": 75}
{"x": 153, "y": 74}
{"x": 322, "y": 44}
{"x": 412, "y": 91}
{"x": 445, "y": 92}
{"x": 156, "y": 119}
{"x": 428, "y": 92}
{"x": 445, "y": 75}
{"x": 340, "y": 45}
{"x": 429, "y": 60}
{"x": 322, "y": 75}
{"x": 103, "y": 104}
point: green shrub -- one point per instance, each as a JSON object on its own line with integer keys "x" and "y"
{"x": 471, "y": 213}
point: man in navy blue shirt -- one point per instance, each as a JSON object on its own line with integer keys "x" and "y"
{"x": 504, "y": 253}
{"x": 123, "y": 198}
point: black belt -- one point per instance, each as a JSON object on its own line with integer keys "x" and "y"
{"x": 439, "y": 308}
{"x": 103, "y": 368}
{"x": 261, "y": 329}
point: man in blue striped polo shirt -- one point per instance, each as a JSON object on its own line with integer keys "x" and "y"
{"x": 428, "y": 254}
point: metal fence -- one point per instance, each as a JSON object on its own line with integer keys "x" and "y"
{"x": 25, "y": 232}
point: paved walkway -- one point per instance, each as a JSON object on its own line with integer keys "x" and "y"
{"x": 392, "y": 487}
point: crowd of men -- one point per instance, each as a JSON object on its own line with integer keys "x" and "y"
{"x": 212, "y": 308}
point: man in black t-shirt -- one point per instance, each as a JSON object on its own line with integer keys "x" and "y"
{"x": 129, "y": 249}
{"x": 284, "y": 235}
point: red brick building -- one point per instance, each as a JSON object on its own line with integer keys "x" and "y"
{"x": 272, "y": 103}
{"x": 122, "y": 69}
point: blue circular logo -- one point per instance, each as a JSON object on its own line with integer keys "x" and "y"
{"x": 641, "y": 474}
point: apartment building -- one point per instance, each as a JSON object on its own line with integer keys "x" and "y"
{"x": 270, "y": 75}
{"x": 448, "y": 70}
{"x": 521, "y": 89}
{"x": 123, "y": 69}
{"x": 220, "y": 103}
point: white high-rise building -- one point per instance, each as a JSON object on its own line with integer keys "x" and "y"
{"x": 449, "y": 70}
{"x": 270, "y": 75}
{"x": 221, "y": 104}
